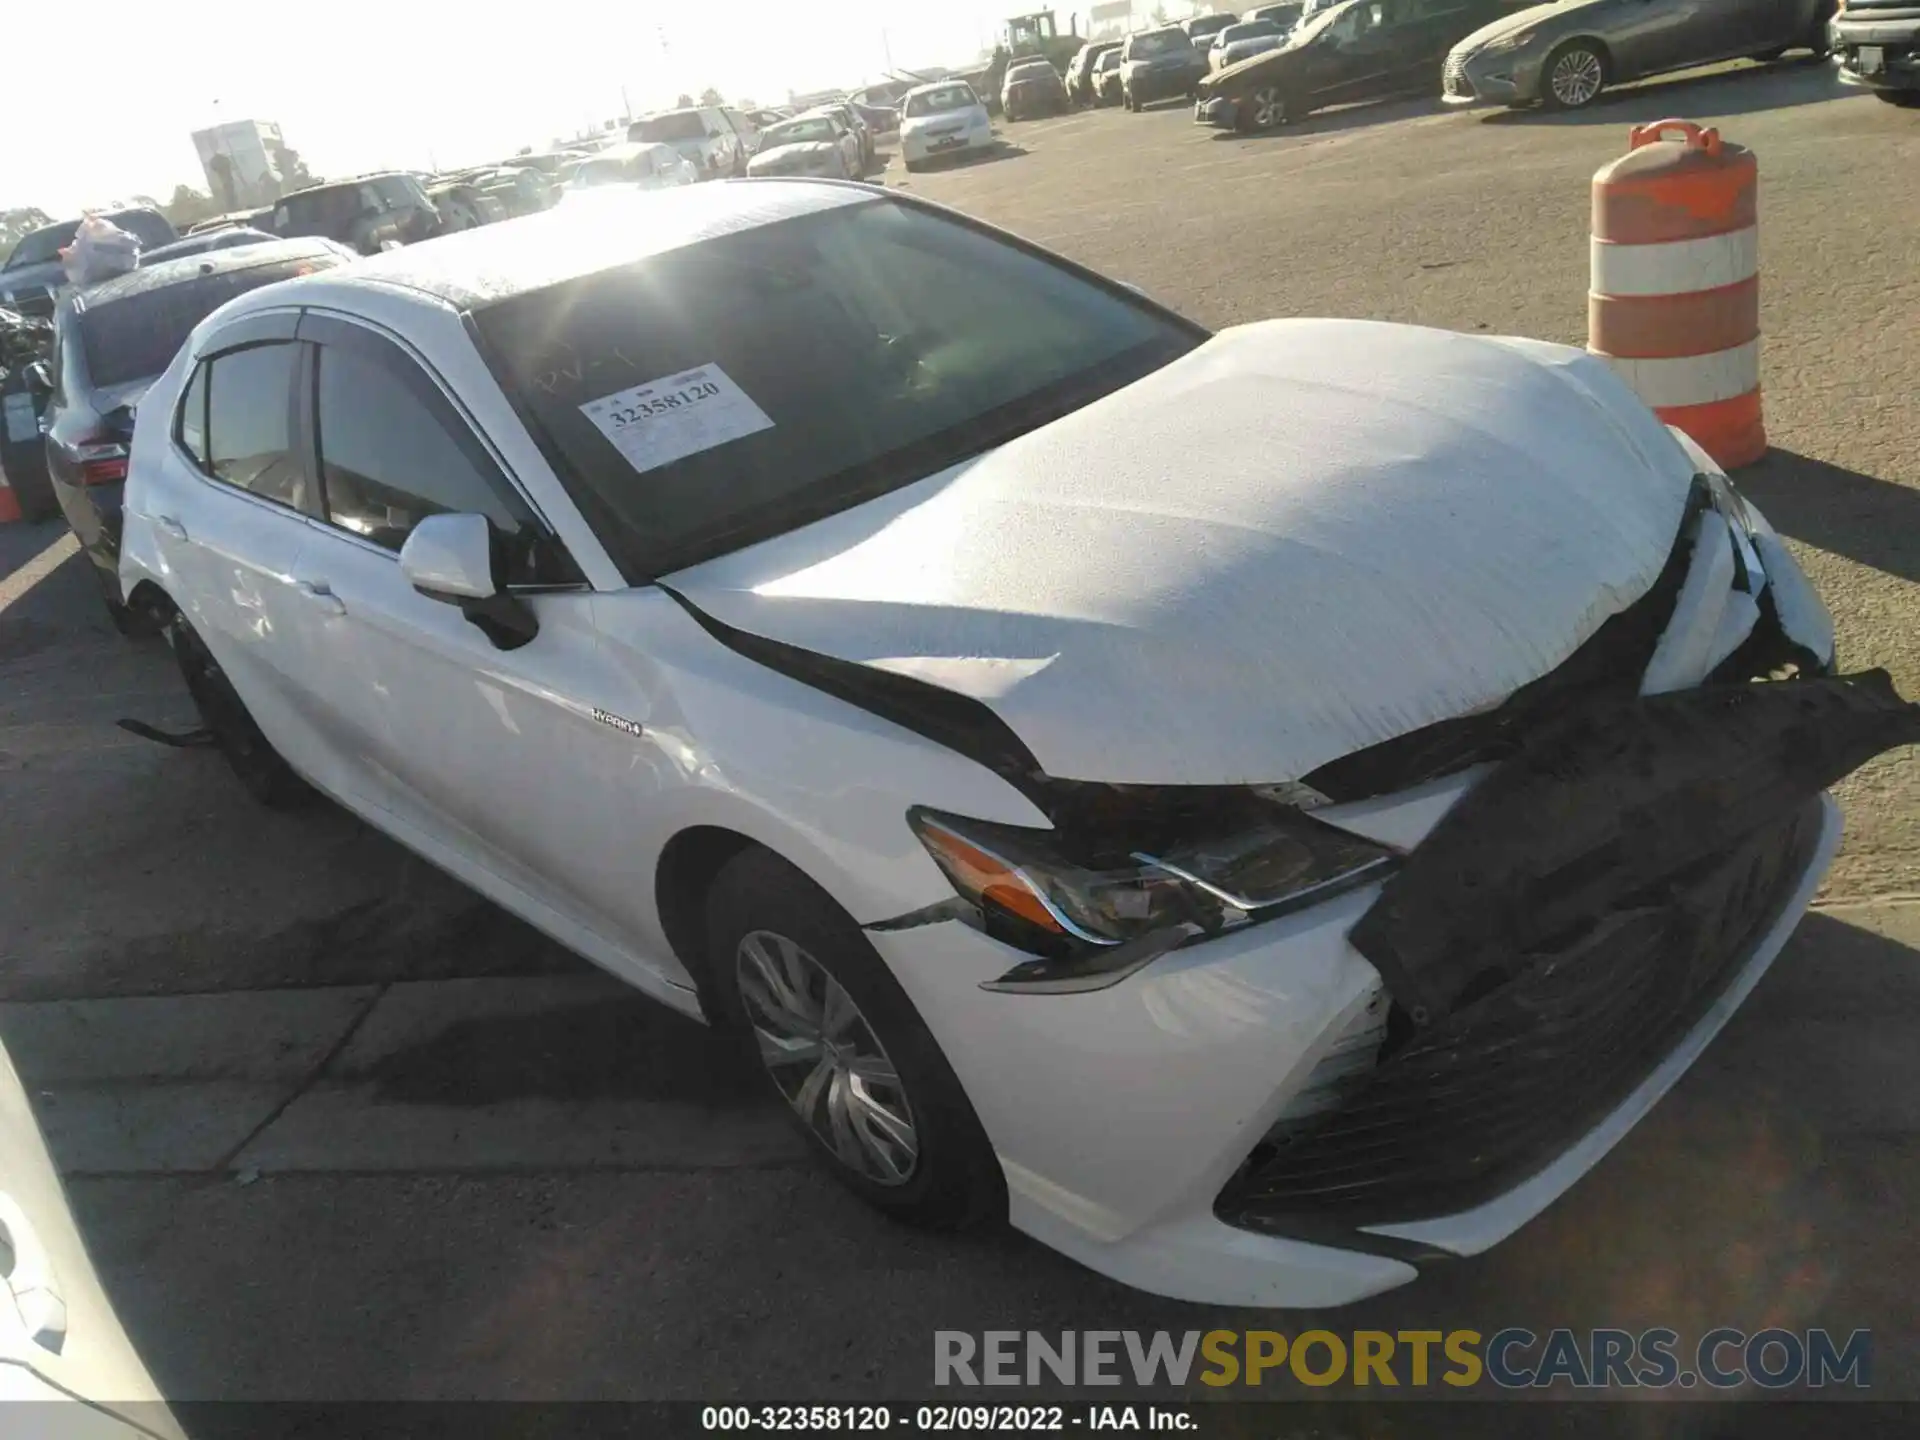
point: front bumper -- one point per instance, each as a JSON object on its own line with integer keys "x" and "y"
{"x": 1219, "y": 111}
{"x": 1485, "y": 78}
{"x": 1877, "y": 54}
{"x": 942, "y": 147}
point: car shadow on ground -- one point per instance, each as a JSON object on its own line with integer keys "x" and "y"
{"x": 1779, "y": 85}
{"x": 1005, "y": 150}
{"x": 1868, "y": 520}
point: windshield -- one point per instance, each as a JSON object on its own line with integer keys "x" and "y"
{"x": 39, "y": 247}
{"x": 935, "y": 102}
{"x": 798, "y": 132}
{"x": 601, "y": 172}
{"x": 135, "y": 337}
{"x": 1254, "y": 30}
{"x": 732, "y": 390}
{"x": 1158, "y": 42}
{"x": 664, "y": 129}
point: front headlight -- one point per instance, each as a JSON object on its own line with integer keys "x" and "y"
{"x": 1507, "y": 44}
{"x": 1094, "y": 911}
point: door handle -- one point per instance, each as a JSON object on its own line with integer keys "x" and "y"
{"x": 319, "y": 594}
{"x": 170, "y": 527}
{"x": 36, "y": 1289}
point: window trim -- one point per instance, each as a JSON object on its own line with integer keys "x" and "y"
{"x": 386, "y": 346}
{"x": 203, "y": 469}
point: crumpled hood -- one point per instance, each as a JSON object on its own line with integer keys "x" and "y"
{"x": 1521, "y": 20}
{"x": 1301, "y": 539}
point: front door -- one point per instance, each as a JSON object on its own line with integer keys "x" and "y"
{"x": 1354, "y": 57}
{"x": 1664, "y": 35}
{"x": 510, "y": 758}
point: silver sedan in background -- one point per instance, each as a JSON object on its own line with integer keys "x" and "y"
{"x": 1563, "y": 55}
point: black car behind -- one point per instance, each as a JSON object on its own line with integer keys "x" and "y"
{"x": 113, "y": 340}
{"x": 33, "y": 275}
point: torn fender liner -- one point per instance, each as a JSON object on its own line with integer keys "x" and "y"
{"x": 1604, "y": 812}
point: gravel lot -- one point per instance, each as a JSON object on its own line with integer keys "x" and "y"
{"x": 340, "y": 1130}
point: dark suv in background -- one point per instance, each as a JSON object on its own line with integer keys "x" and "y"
{"x": 369, "y": 213}
{"x": 111, "y": 341}
{"x": 32, "y": 275}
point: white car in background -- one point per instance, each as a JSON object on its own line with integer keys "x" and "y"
{"x": 1243, "y": 41}
{"x": 628, "y": 166}
{"x": 1258, "y": 809}
{"x": 817, "y": 143}
{"x": 66, "y": 1365}
{"x": 943, "y": 120}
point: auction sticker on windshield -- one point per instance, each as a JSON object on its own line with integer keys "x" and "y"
{"x": 666, "y": 420}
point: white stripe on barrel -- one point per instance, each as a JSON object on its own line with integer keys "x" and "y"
{"x": 1692, "y": 379}
{"x": 1676, "y": 267}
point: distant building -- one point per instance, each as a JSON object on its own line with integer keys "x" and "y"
{"x": 246, "y": 163}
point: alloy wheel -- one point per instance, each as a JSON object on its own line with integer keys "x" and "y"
{"x": 1269, "y": 107}
{"x": 826, "y": 1060}
{"x": 1577, "y": 77}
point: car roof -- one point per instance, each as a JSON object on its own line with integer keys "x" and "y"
{"x": 208, "y": 262}
{"x": 935, "y": 85}
{"x": 344, "y": 181}
{"x": 481, "y": 267}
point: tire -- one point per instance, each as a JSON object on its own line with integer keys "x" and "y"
{"x": 1905, "y": 99}
{"x": 268, "y": 778}
{"x": 134, "y": 625}
{"x": 1585, "y": 77}
{"x": 1264, "y": 109}
{"x": 1818, "y": 43}
{"x": 889, "y": 1120}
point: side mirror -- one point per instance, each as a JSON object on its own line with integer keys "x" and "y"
{"x": 450, "y": 557}
{"x": 456, "y": 559}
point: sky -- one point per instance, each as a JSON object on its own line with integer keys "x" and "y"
{"x": 359, "y": 85}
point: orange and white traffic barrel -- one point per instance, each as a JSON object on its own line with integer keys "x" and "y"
{"x": 1674, "y": 304}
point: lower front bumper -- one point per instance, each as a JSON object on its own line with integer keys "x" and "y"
{"x": 1219, "y": 112}
{"x": 1877, "y": 57}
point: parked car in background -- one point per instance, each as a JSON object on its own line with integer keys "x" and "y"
{"x": 943, "y": 120}
{"x": 1877, "y": 45}
{"x": 1032, "y": 87}
{"x": 66, "y": 1363}
{"x": 850, "y": 116}
{"x": 645, "y": 166}
{"x": 1562, "y": 56}
{"x": 32, "y": 274}
{"x": 247, "y": 218}
{"x": 762, "y": 119}
{"x": 1080, "y": 69}
{"x": 1357, "y": 50}
{"x": 368, "y": 213}
{"x": 462, "y": 205}
{"x": 703, "y": 135}
{"x": 1286, "y": 16}
{"x": 231, "y": 237}
{"x": 850, "y": 624}
{"x": 1243, "y": 41}
{"x": 1202, "y": 28}
{"x": 1106, "y": 79}
{"x": 817, "y": 143}
{"x": 1159, "y": 65}
{"x": 110, "y": 342}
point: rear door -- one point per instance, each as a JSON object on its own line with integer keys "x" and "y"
{"x": 1354, "y": 58}
{"x": 229, "y": 511}
{"x": 1657, "y": 35}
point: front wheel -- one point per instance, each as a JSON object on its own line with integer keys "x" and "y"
{"x": 850, "y": 1058}
{"x": 1905, "y": 99}
{"x": 1265, "y": 109}
{"x": 1576, "y": 73}
{"x": 1818, "y": 42}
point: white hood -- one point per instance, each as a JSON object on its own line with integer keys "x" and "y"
{"x": 1301, "y": 539}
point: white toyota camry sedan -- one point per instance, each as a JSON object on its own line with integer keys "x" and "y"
{"x": 1258, "y": 809}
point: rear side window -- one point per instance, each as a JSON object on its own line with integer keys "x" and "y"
{"x": 137, "y": 336}
{"x": 249, "y": 423}
{"x": 191, "y": 428}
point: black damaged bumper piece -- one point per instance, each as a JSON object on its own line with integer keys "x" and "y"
{"x": 1560, "y": 931}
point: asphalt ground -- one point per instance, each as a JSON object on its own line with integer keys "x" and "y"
{"x": 338, "y": 1129}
